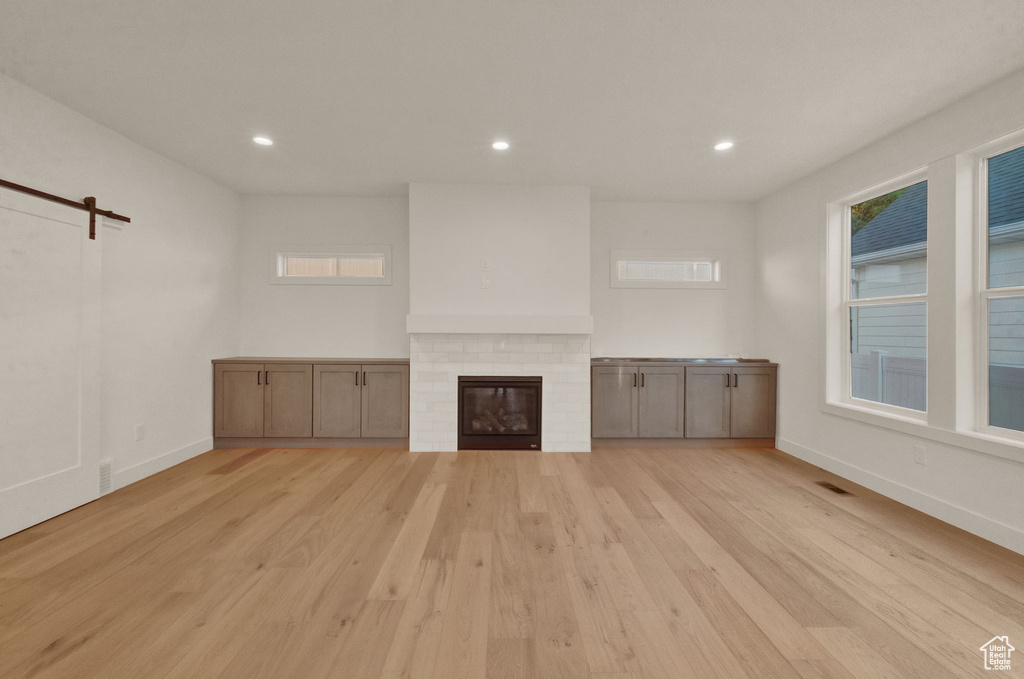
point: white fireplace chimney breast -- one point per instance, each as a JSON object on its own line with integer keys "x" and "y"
{"x": 499, "y": 251}
{"x": 499, "y": 281}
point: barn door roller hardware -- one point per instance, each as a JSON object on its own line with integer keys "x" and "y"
{"x": 87, "y": 204}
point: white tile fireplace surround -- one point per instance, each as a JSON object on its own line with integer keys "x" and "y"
{"x": 437, "y": 360}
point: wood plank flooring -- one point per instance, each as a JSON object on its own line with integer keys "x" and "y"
{"x": 653, "y": 562}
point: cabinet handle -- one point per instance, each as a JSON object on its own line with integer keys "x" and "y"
{"x": 364, "y": 378}
{"x": 259, "y": 377}
{"x": 727, "y": 382}
{"x": 357, "y": 378}
{"x": 266, "y": 377}
{"x": 641, "y": 379}
{"x": 634, "y": 380}
{"x": 735, "y": 380}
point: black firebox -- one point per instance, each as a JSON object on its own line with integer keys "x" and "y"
{"x": 499, "y": 413}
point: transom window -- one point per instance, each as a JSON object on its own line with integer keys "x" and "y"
{"x": 326, "y": 265}
{"x": 665, "y": 269}
{"x": 346, "y": 266}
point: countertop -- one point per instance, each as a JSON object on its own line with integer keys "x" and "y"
{"x": 686, "y": 361}
{"x": 320, "y": 361}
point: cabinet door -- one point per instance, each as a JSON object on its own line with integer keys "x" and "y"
{"x": 661, "y": 402}
{"x": 753, "y": 403}
{"x": 707, "y": 402}
{"x": 336, "y": 400}
{"x": 385, "y": 401}
{"x": 614, "y": 407}
{"x": 288, "y": 400}
{"x": 238, "y": 399}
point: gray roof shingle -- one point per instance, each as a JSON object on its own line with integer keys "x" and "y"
{"x": 1006, "y": 188}
{"x": 905, "y": 221}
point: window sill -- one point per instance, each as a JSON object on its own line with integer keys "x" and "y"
{"x": 985, "y": 443}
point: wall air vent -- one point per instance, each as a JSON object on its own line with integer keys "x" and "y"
{"x": 105, "y": 481}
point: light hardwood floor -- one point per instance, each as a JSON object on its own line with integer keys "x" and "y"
{"x": 616, "y": 564}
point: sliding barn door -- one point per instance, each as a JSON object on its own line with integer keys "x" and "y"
{"x": 49, "y": 361}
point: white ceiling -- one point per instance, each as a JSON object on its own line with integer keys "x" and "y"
{"x": 626, "y": 96}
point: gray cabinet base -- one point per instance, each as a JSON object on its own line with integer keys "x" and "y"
{"x": 303, "y": 442}
{"x": 632, "y": 444}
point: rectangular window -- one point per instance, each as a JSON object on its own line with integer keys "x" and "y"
{"x": 904, "y": 310}
{"x": 665, "y": 269}
{"x": 887, "y": 363}
{"x": 1006, "y": 362}
{"x": 319, "y": 265}
{"x": 368, "y": 266}
{"x": 1003, "y": 296}
{"x": 1005, "y": 202}
{"x": 886, "y": 299}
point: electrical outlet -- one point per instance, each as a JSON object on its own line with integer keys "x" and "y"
{"x": 919, "y": 454}
{"x": 140, "y": 432}
{"x": 485, "y": 282}
{"x": 485, "y": 265}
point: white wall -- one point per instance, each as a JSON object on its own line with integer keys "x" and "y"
{"x": 323, "y": 320}
{"x": 535, "y": 240}
{"x": 974, "y": 486}
{"x": 169, "y": 282}
{"x": 673, "y": 322}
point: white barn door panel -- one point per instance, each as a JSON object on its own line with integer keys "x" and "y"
{"x": 49, "y": 361}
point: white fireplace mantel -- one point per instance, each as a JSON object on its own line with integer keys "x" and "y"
{"x": 475, "y": 323}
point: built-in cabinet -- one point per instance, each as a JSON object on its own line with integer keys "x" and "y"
{"x": 323, "y": 400}
{"x": 256, "y": 399}
{"x": 733, "y": 402}
{"x": 637, "y": 401}
{"x": 366, "y": 400}
{"x": 676, "y": 399}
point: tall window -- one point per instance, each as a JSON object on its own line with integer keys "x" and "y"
{"x": 886, "y": 300}
{"x": 1003, "y": 292}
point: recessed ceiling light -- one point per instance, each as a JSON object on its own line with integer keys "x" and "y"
{"x": 723, "y": 146}
{"x": 500, "y": 145}
{"x": 263, "y": 141}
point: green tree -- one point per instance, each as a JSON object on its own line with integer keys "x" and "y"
{"x": 862, "y": 213}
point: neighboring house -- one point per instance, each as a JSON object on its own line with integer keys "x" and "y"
{"x": 889, "y": 258}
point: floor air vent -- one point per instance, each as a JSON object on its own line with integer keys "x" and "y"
{"x": 834, "y": 488}
{"x": 105, "y": 477}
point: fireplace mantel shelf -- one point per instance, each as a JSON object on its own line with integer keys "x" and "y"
{"x": 470, "y": 324}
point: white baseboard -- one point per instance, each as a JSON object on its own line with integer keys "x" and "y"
{"x": 994, "y": 531}
{"x": 124, "y": 477}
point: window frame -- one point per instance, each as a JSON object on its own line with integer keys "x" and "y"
{"x": 716, "y": 259}
{"x": 983, "y": 294}
{"x": 282, "y": 251}
{"x": 958, "y": 344}
{"x": 838, "y": 372}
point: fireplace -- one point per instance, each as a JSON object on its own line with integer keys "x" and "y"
{"x": 499, "y": 413}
